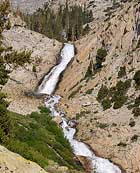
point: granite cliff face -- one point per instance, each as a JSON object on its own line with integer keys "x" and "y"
{"x": 100, "y": 8}
{"x": 24, "y": 79}
{"x": 113, "y": 132}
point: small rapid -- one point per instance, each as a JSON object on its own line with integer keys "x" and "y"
{"x": 48, "y": 86}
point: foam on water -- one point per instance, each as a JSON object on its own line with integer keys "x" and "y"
{"x": 80, "y": 149}
{"x": 50, "y": 81}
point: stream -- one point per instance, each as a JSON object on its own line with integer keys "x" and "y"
{"x": 48, "y": 86}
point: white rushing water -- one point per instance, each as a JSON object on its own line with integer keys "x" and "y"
{"x": 80, "y": 149}
{"x": 50, "y": 81}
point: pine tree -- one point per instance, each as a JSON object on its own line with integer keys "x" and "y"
{"x": 68, "y": 21}
{"x": 5, "y": 123}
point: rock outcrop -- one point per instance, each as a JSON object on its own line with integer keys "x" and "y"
{"x": 23, "y": 79}
{"x": 112, "y": 133}
{"x": 14, "y": 163}
{"x": 101, "y": 8}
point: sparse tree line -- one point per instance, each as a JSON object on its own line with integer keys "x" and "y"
{"x": 10, "y": 58}
{"x": 35, "y": 137}
{"x": 68, "y": 23}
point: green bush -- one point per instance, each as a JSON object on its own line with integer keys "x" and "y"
{"x": 137, "y": 78}
{"x": 122, "y": 72}
{"x": 18, "y": 58}
{"x": 82, "y": 114}
{"x": 89, "y": 71}
{"x": 34, "y": 68}
{"x": 136, "y": 112}
{"x": 119, "y": 96}
{"x": 106, "y": 104}
{"x": 89, "y": 91}
{"x": 101, "y": 54}
{"x": 122, "y": 87}
{"x": 137, "y": 101}
{"x": 116, "y": 95}
{"x": 36, "y": 137}
{"x": 103, "y": 92}
{"x": 119, "y": 101}
{"x": 102, "y": 125}
{"x": 122, "y": 144}
{"x": 134, "y": 138}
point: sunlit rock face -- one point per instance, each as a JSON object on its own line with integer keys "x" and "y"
{"x": 48, "y": 86}
{"x": 98, "y": 7}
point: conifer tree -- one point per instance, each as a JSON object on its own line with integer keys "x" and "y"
{"x": 5, "y": 123}
{"x": 69, "y": 20}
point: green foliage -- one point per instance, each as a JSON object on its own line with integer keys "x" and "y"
{"x": 69, "y": 20}
{"x": 17, "y": 59}
{"x": 5, "y": 123}
{"x": 122, "y": 87}
{"x": 89, "y": 91}
{"x": 86, "y": 29}
{"x": 122, "y": 72}
{"x": 137, "y": 102}
{"x": 119, "y": 97}
{"x": 132, "y": 123}
{"x": 7, "y": 55}
{"x": 89, "y": 71}
{"x": 3, "y": 74}
{"x": 136, "y": 111}
{"x": 4, "y": 10}
{"x": 34, "y": 68}
{"x": 106, "y": 103}
{"x": 137, "y": 78}
{"x": 119, "y": 101}
{"x": 136, "y": 107}
{"x": 102, "y": 125}
{"x": 122, "y": 144}
{"x": 82, "y": 114}
{"x": 103, "y": 92}
{"x": 101, "y": 54}
{"x": 100, "y": 58}
{"x": 134, "y": 138}
{"x": 116, "y": 95}
{"x": 36, "y": 137}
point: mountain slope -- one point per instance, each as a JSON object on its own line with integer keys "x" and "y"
{"x": 25, "y": 79}
{"x": 11, "y": 162}
{"x": 100, "y": 8}
{"x": 105, "y": 101}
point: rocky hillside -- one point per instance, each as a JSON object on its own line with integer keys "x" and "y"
{"x": 11, "y": 162}
{"x": 25, "y": 79}
{"x": 100, "y": 8}
{"x": 103, "y": 95}
{"x": 100, "y": 88}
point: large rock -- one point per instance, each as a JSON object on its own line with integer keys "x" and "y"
{"x": 14, "y": 163}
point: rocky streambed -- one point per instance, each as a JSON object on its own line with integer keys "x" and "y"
{"x": 48, "y": 85}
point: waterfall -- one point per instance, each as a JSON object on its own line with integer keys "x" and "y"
{"x": 50, "y": 81}
{"x": 48, "y": 86}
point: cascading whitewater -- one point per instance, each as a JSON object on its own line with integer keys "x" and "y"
{"x": 99, "y": 165}
{"x": 50, "y": 81}
{"x": 48, "y": 86}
